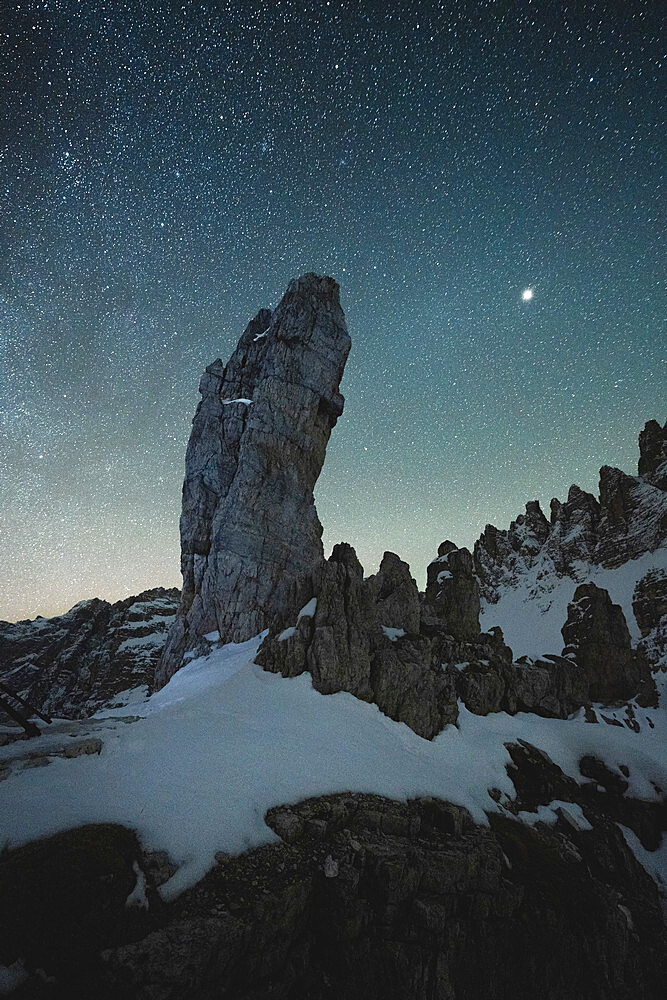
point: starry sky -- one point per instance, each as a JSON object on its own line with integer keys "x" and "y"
{"x": 166, "y": 168}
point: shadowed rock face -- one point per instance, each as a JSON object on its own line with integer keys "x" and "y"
{"x": 653, "y": 453}
{"x": 250, "y": 535}
{"x": 452, "y": 591}
{"x": 362, "y": 636}
{"x": 362, "y": 898}
{"x": 596, "y": 635}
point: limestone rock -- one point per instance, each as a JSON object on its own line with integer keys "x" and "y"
{"x": 250, "y": 536}
{"x": 649, "y": 604}
{"x": 596, "y": 636}
{"x": 72, "y": 664}
{"x": 396, "y": 595}
{"x": 653, "y": 453}
{"x": 649, "y": 601}
{"x": 346, "y": 646}
{"x": 452, "y": 591}
{"x": 634, "y": 517}
{"x": 628, "y": 520}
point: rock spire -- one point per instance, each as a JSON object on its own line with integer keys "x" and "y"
{"x": 250, "y": 535}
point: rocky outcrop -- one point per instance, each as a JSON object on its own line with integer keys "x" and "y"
{"x": 596, "y": 636}
{"x": 452, "y": 591}
{"x": 628, "y": 520}
{"x": 649, "y": 601}
{"x": 649, "y": 604}
{"x": 74, "y": 663}
{"x": 250, "y": 536}
{"x": 351, "y": 637}
{"x": 416, "y": 668}
{"x": 395, "y": 594}
{"x": 360, "y": 897}
{"x": 653, "y": 454}
{"x": 552, "y": 687}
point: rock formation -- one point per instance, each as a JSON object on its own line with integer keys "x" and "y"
{"x": 452, "y": 591}
{"x": 653, "y": 454}
{"x": 71, "y": 665}
{"x": 596, "y": 636}
{"x": 369, "y": 637}
{"x": 628, "y": 520}
{"x": 649, "y": 601}
{"x": 361, "y": 897}
{"x": 250, "y": 537}
{"x": 353, "y": 636}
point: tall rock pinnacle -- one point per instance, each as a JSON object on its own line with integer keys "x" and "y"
{"x": 250, "y": 535}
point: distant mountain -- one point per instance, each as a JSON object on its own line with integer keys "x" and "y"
{"x": 528, "y": 573}
{"x": 74, "y": 663}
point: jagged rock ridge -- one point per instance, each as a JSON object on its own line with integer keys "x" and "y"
{"x": 414, "y": 659}
{"x": 74, "y": 663}
{"x": 250, "y": 535}
{"x": 628, "y": 520}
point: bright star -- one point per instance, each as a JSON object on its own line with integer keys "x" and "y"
{"x": 527, "y": 294}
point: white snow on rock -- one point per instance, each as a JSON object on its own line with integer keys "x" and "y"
{"x": 137, "y": 898}
{"x": 393, "y": 633}
{"x": 308, "y": 610}
{"x": 224, "y": 741}
{"x": 532, "y": 613}
{"x": 241, "y": 399}
{"x": 655, "y": 862}
{"x": 136, "y": 642}
{"x": 549, "y": 814}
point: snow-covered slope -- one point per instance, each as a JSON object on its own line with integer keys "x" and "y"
{"x": 225, "y": 741}
{"x": 528, "y": 573}
{"x": 533, "y": 608}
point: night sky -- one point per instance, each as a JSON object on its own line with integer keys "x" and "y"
{"x": 165, "y": 169}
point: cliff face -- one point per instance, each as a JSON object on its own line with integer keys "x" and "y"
{"x": 250, "y": 535}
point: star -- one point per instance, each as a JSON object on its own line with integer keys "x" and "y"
{"x": 527, "y": 294}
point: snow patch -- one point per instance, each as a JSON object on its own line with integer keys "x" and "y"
{"x": 549, "y": 815}
{"x": 136, "y": 642}
{"x": 532, "y": 613}
{"x": 393, "y": 633}
{"x": 242, "y": 740}
{"x": 137, "y": 898}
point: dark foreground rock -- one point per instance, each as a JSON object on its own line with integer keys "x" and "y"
{"x": 361, "y": 898}
{"x": 251, "y": 540}
{"x": 71, "y": 665}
